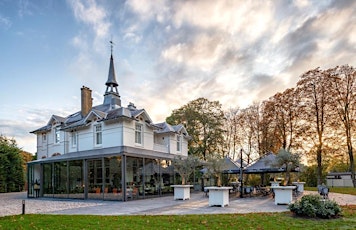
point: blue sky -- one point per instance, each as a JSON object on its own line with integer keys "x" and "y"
{"x": 166, "y": 53}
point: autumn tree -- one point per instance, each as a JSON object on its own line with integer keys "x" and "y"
{"x": 204, "y": 121}
{"x": 343, "y": 88}
{"x": 233, "y": 134}
{"x": 313, "y": 89}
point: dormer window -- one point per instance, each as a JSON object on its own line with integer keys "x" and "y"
{"x": 138, "y": 133}
{"x": 57, "y": 135}
{"x": 98, "y": 136}
{"x": 179, "y": 143}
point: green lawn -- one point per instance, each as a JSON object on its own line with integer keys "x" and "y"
{"x": 227, "y": 221}
{"x": 285, "y": 220}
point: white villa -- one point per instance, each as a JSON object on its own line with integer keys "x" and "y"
{"x": 107, "y": 151}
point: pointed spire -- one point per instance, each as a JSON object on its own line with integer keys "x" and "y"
{"x": 111, "y": 95}
{"x": 111, "y": 77}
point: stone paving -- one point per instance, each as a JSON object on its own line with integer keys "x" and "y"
{"x": 11, "y": 204}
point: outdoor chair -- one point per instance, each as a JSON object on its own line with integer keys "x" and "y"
{"x": 325, "y": 192}
{"x": 263, "y": 190}
{"x": 206, "y": 191}
{"x": 248, "y": 190}
{"x": 295, "y": 191}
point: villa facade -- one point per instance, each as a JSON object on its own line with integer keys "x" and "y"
{"x": 105, "y": 151}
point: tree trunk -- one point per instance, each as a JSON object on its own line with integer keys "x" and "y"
{"x": 319, "y": 168}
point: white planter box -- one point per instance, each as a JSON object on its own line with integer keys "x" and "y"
{"x": 181, "y": 192}
{"x": 300, "y": 186}
{"x": 283, "y": 194}
{"x": 218, "y": 196}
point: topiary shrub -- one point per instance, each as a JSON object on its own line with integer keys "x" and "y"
{"x": 314, "y": 206}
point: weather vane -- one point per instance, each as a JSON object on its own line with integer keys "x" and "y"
{"x": 111, "y": 44}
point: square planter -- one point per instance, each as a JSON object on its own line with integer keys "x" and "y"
{"x": 181, "y": 192}
{"x": 283, "y": 194}
{"x": 218, "y": 196}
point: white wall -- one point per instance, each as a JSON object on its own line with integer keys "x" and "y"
{"x": 118, "y": 133}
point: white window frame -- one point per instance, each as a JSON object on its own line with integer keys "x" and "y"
{"x": 179, "y": 143}
{"x": 44, "y": 137}
{"x": 98, "y": 135}
{"x": 57, "y": 135}
{"x": 138, "y": 134}
{"x": 74, "y": 139}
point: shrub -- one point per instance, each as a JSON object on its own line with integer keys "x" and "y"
{"x": 314, "y": 206}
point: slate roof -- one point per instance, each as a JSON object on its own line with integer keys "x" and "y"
{"x": 102, "y": 112}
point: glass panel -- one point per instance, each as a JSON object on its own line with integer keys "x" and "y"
{"x": 167, "y": 172}
{"x": 60, "y": 180}
{"x": 47, "y": 180}
{"x": 31, "y": 181}
{"x": 113, "y": 176}
{"x": 152, "y": 177}
{"x": 76, "y": 182}
{"x": 134, "y": 183}
{"x": 95, "y": 179}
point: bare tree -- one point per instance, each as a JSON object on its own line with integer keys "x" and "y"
{"x": 313, "y": 90}
{"x": 343, "y": 87}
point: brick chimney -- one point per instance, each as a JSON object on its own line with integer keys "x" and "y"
{"x": 87, "y": 101}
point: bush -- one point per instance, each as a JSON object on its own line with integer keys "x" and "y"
{"x": 314, "y": 206}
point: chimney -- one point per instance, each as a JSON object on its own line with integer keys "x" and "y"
{"x": 87, "y": 101}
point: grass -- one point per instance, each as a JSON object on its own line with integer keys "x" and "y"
{"x": 283, "y": 220}
{"x": 343, "y": 190}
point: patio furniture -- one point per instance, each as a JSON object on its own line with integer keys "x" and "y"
{"x": 248, "y": 190}
{"x": 300, "y": 186}
{"x": 265, "y": 191}
{"x": 323, "y": 191}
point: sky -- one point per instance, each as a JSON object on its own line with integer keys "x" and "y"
{"x": 166, "y": 53}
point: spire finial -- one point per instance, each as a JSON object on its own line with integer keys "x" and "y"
{"x": 111, "y": 45}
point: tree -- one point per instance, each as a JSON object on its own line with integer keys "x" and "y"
{"x": 11, "y": 170}
{"x": 313, "y": 89}
{"x": 204, "y": 121}
{"x": 343, "y": 87}
{"x": 289, "y": 161}
{"x": 185, "y": 166}
{"x": 215, "y": 165}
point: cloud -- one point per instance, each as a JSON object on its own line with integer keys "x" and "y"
{"x": 238, "y": 52}
{"x": 93, "y": 15}
{"x": 5, "y": 22}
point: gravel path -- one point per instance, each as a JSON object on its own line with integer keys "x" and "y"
{"x": 11, "y": 204}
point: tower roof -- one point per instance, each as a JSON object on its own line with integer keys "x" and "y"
{"x": 111, "y": 77}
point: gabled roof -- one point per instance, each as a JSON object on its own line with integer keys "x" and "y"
{"x": 141, "y": 112}
{"x": 56, "y": 118}
{"x": 164, "y": 127}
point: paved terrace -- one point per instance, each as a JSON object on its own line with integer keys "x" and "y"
{"x": 11, "y": 204}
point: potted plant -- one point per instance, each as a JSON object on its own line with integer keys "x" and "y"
{"x": 218, "y": 195}
{"x": 284, "y": 158}
{"x": 184, "y": 166}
